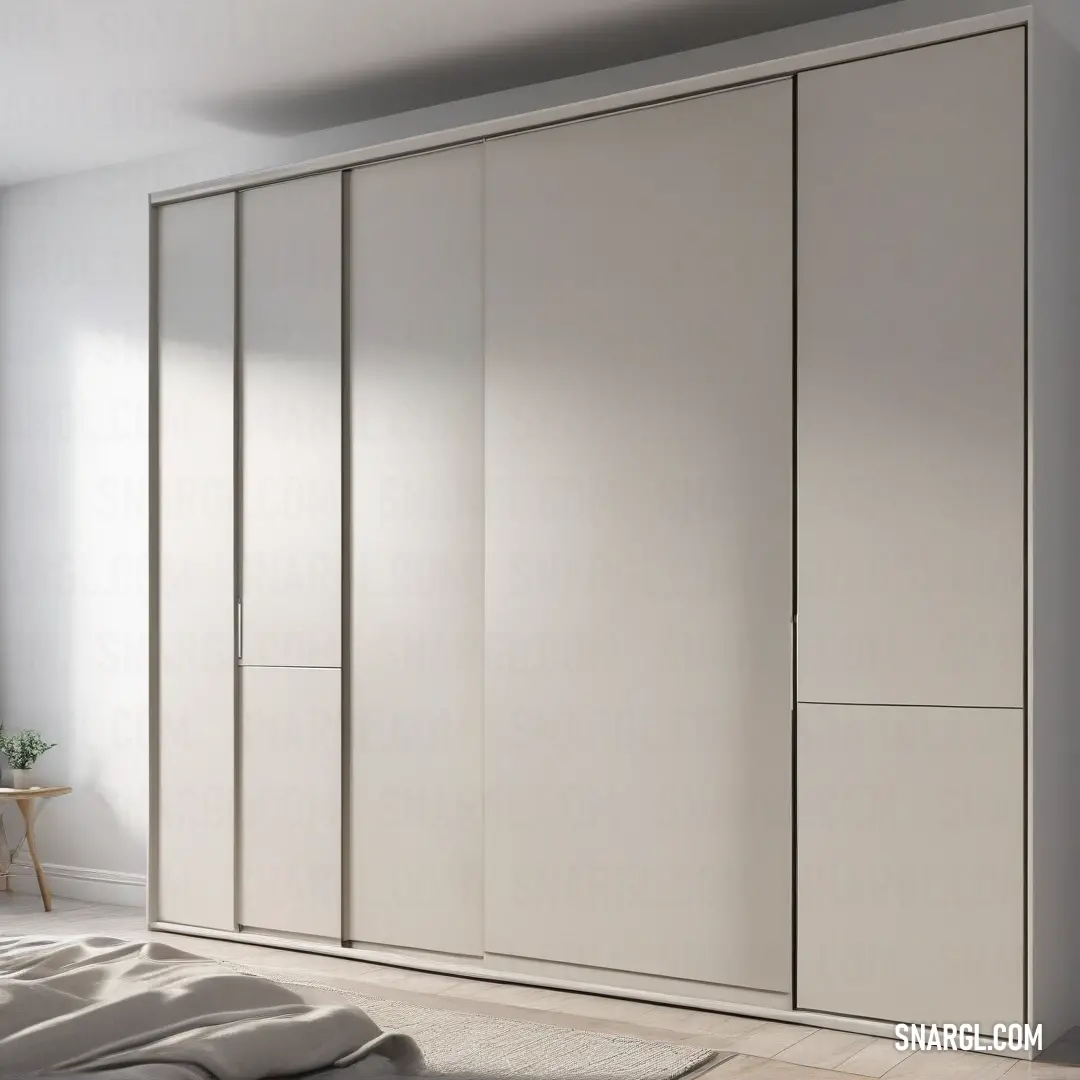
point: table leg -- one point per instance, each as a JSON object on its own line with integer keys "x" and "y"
{"x": 26, "y": 808}
{"x": 5, "y": 857}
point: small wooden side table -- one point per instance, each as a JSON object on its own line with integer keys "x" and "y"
{"x": 26, "y": 799}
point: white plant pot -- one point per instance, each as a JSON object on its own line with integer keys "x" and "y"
{"x": 20, "y": 778}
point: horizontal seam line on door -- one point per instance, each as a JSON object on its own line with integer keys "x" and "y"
{"x": 907, "y": 705}
{"x": 296, "y": 667}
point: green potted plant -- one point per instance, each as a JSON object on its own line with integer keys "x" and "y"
{"x": 22, "y": 751}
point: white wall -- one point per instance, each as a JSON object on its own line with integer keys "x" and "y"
{"x": 73, "y": 502}
{"x": 74, "y": 438}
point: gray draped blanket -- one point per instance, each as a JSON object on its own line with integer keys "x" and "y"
{"x": 127, "y": 1010}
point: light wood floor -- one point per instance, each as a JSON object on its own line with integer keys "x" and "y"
{"x": 764, "y": 1050}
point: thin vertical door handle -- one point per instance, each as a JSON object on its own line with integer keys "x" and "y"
{"x": 239, "y": 629}
{"x": 791, "y": 664}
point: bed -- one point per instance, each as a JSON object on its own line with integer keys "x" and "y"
{"x": 130, "y": 1010}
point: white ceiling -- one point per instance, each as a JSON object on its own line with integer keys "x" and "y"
{"x": 85, "y": 83}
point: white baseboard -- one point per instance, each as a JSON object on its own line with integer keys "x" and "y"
{"x": 83, "y": 883}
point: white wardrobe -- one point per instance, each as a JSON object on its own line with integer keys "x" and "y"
{"x": 598, "y": 553}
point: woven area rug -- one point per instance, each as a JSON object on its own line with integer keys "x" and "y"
{"x": 471, "y": 1046}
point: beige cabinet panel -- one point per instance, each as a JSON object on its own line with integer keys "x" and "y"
{"x": 639, "y": 523}
{"x": 290, "y": 800}
{"x": 291, "y": 416}
{"x": 196, "y": 588}
{"x": 911, "y": 863}
{"x": 911, "y": 343}
{"x": 417, "y": 388}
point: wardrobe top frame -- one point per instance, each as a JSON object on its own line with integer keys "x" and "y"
{"x": 764, "y": 58}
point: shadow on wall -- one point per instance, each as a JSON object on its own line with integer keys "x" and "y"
{"x": 640, "y": 34}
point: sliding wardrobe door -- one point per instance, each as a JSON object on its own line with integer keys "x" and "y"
{"x": 291, "y": 543}
{"x": 195, "y": 560}
{"x": 417, "y": 527}
{"x": 911, "y": 533}
{"x": 291, "y": 415}
{"x": 639, "y": 524}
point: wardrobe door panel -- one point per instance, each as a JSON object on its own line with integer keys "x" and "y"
{"x": 196, "y": 589}
{"x": 639, "y": 563}
{"x": 291, "y": 336}
{"x": 911, "y": 376}
{"x": 911, "y": 863}
{"x": 417, "y": 529}
{"x": 290, "y": 801}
